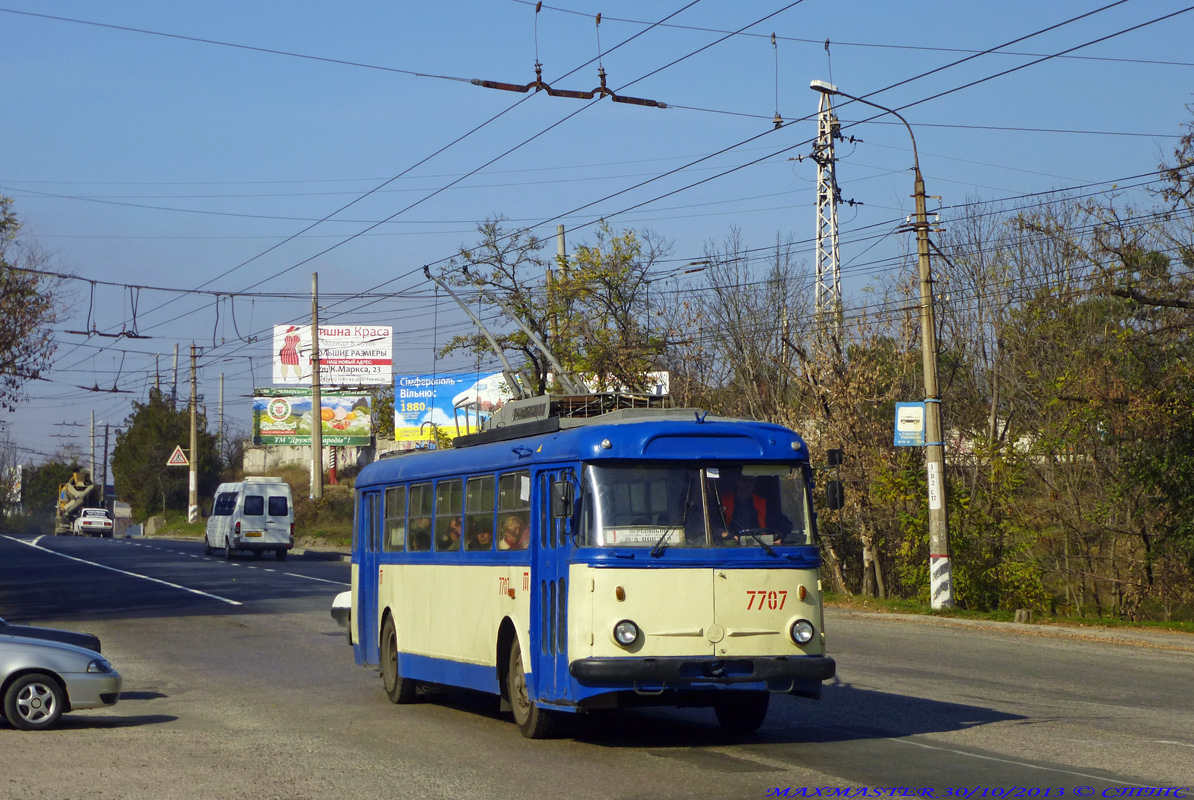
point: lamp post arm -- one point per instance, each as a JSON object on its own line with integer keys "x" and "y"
{"x": 940, "y": 574}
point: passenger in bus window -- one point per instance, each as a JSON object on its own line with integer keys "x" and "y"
{"x": 515, "y": 535}
{"x": 420, "y": 534}
{"x": 481, "y": 538}
{"x": 450, "y": 538}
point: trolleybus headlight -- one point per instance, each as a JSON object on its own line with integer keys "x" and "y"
{"x": 802, "y": 631}
{"x": 626, "y": 633}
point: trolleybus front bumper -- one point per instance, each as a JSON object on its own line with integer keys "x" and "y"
{"x": 613, "y": 671}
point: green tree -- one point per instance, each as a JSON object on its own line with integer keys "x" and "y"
{"x": 39, "y": 485}
{"x": 607, "y": 307}
{"x": 383, "y": 411}
{"x": 28, "y": 307}
{"x": 139, "y": 468}
{"x": 593, "y": 313}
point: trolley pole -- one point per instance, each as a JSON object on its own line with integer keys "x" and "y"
{"x": 940, "y": 581}
{"x": 316, "y": 406}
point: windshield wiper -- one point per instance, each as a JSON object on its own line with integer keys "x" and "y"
{"x": 754, "y": 534}
{"x": 661, "y": 546}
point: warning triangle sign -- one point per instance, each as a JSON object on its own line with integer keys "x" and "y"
{"x": 178, "y": 458}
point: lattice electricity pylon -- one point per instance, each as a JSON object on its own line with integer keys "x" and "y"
{"x": 829, "y": 277}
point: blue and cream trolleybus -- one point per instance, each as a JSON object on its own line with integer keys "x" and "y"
{"x": 594, "y": 552}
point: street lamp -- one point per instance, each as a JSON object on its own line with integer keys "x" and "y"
{"x": 941, "y": 586}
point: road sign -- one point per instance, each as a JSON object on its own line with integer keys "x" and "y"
{"x": 178, "y": 458}
{"x": 910, "y": 425}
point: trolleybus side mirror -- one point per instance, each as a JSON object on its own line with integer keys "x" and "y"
{"x": 835, "y": 495}
{"x": 561, "y": 499}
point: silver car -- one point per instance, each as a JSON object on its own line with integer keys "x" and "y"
{"x": 41, "y": 679}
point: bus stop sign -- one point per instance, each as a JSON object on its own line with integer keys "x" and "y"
{"x": 910, "y": 425}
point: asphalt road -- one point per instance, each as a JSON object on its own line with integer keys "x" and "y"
{"x": 239, "y": 684}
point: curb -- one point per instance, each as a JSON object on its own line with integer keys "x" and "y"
{"x": 1166, "y": 640}
{"x": 305, "y": 553}
{"x": 321, "y": 555}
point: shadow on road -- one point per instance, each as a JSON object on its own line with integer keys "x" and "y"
{"x": 843, "y": 713}
{"x": 142, "y": 695}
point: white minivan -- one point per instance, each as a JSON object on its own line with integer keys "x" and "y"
{"x": 255, "y": 514}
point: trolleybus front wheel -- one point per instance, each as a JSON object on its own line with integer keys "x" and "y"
{"x": 398, "y": 688}
{"x": 741, "y": 713}
{"x": 534, "y": 722}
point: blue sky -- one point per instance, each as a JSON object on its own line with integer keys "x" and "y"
{"x": 184, "y": 145}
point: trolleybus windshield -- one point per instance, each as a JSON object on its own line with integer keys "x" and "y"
{"x": 659, "y": 506}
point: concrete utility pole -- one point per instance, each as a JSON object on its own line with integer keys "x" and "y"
{"x": 93, "y": 446}
{"x": 174, "y": 386}
{"x": 940, "y": 581}
{"x": 316, "y": 404}
{"x": 193, "y": 470}
{"x": 220, "y": 434}
{"x": 104, "y": 471}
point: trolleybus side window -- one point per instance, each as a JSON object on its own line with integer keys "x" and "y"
{"x": 395, "y": 518}
{"x": 478, "y": 513}
{"x": 449, "y": 496}
{"x": 418, "y": 536}
{"x": 514, "y": 510}
{"x": 358, "y": 531}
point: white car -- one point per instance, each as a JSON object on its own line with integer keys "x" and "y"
{"x": 93, "y": 522}
{"x": 41, "y": 679}
{"x": 256, "y": 514}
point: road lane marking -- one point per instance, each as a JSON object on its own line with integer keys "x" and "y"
{"x": 978, "y": 756}
{"x": 131, "y": 574}
{"x": 321, "y": 580}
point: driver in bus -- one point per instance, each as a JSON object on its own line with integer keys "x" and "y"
{"x": 745, "y": 506}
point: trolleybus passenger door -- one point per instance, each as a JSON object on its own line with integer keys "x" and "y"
{"x": 367, "y": 588}
{"x": 550, "y": 595}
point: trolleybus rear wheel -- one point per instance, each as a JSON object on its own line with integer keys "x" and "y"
{"x": 398, "y": 688}
{"x": 741, "y": 713}
{"x": 533, "y": 721}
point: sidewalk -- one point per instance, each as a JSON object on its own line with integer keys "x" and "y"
{"x": 322, "y": 554}
{"x": 1138, "y": 637}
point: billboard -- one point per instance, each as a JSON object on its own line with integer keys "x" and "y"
{"x": 455, "y": 402}
{"x": 349, "y": 355}
{"x": 283, "y": 416}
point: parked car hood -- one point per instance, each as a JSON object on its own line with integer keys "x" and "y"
{"x": 85, "y": 640}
